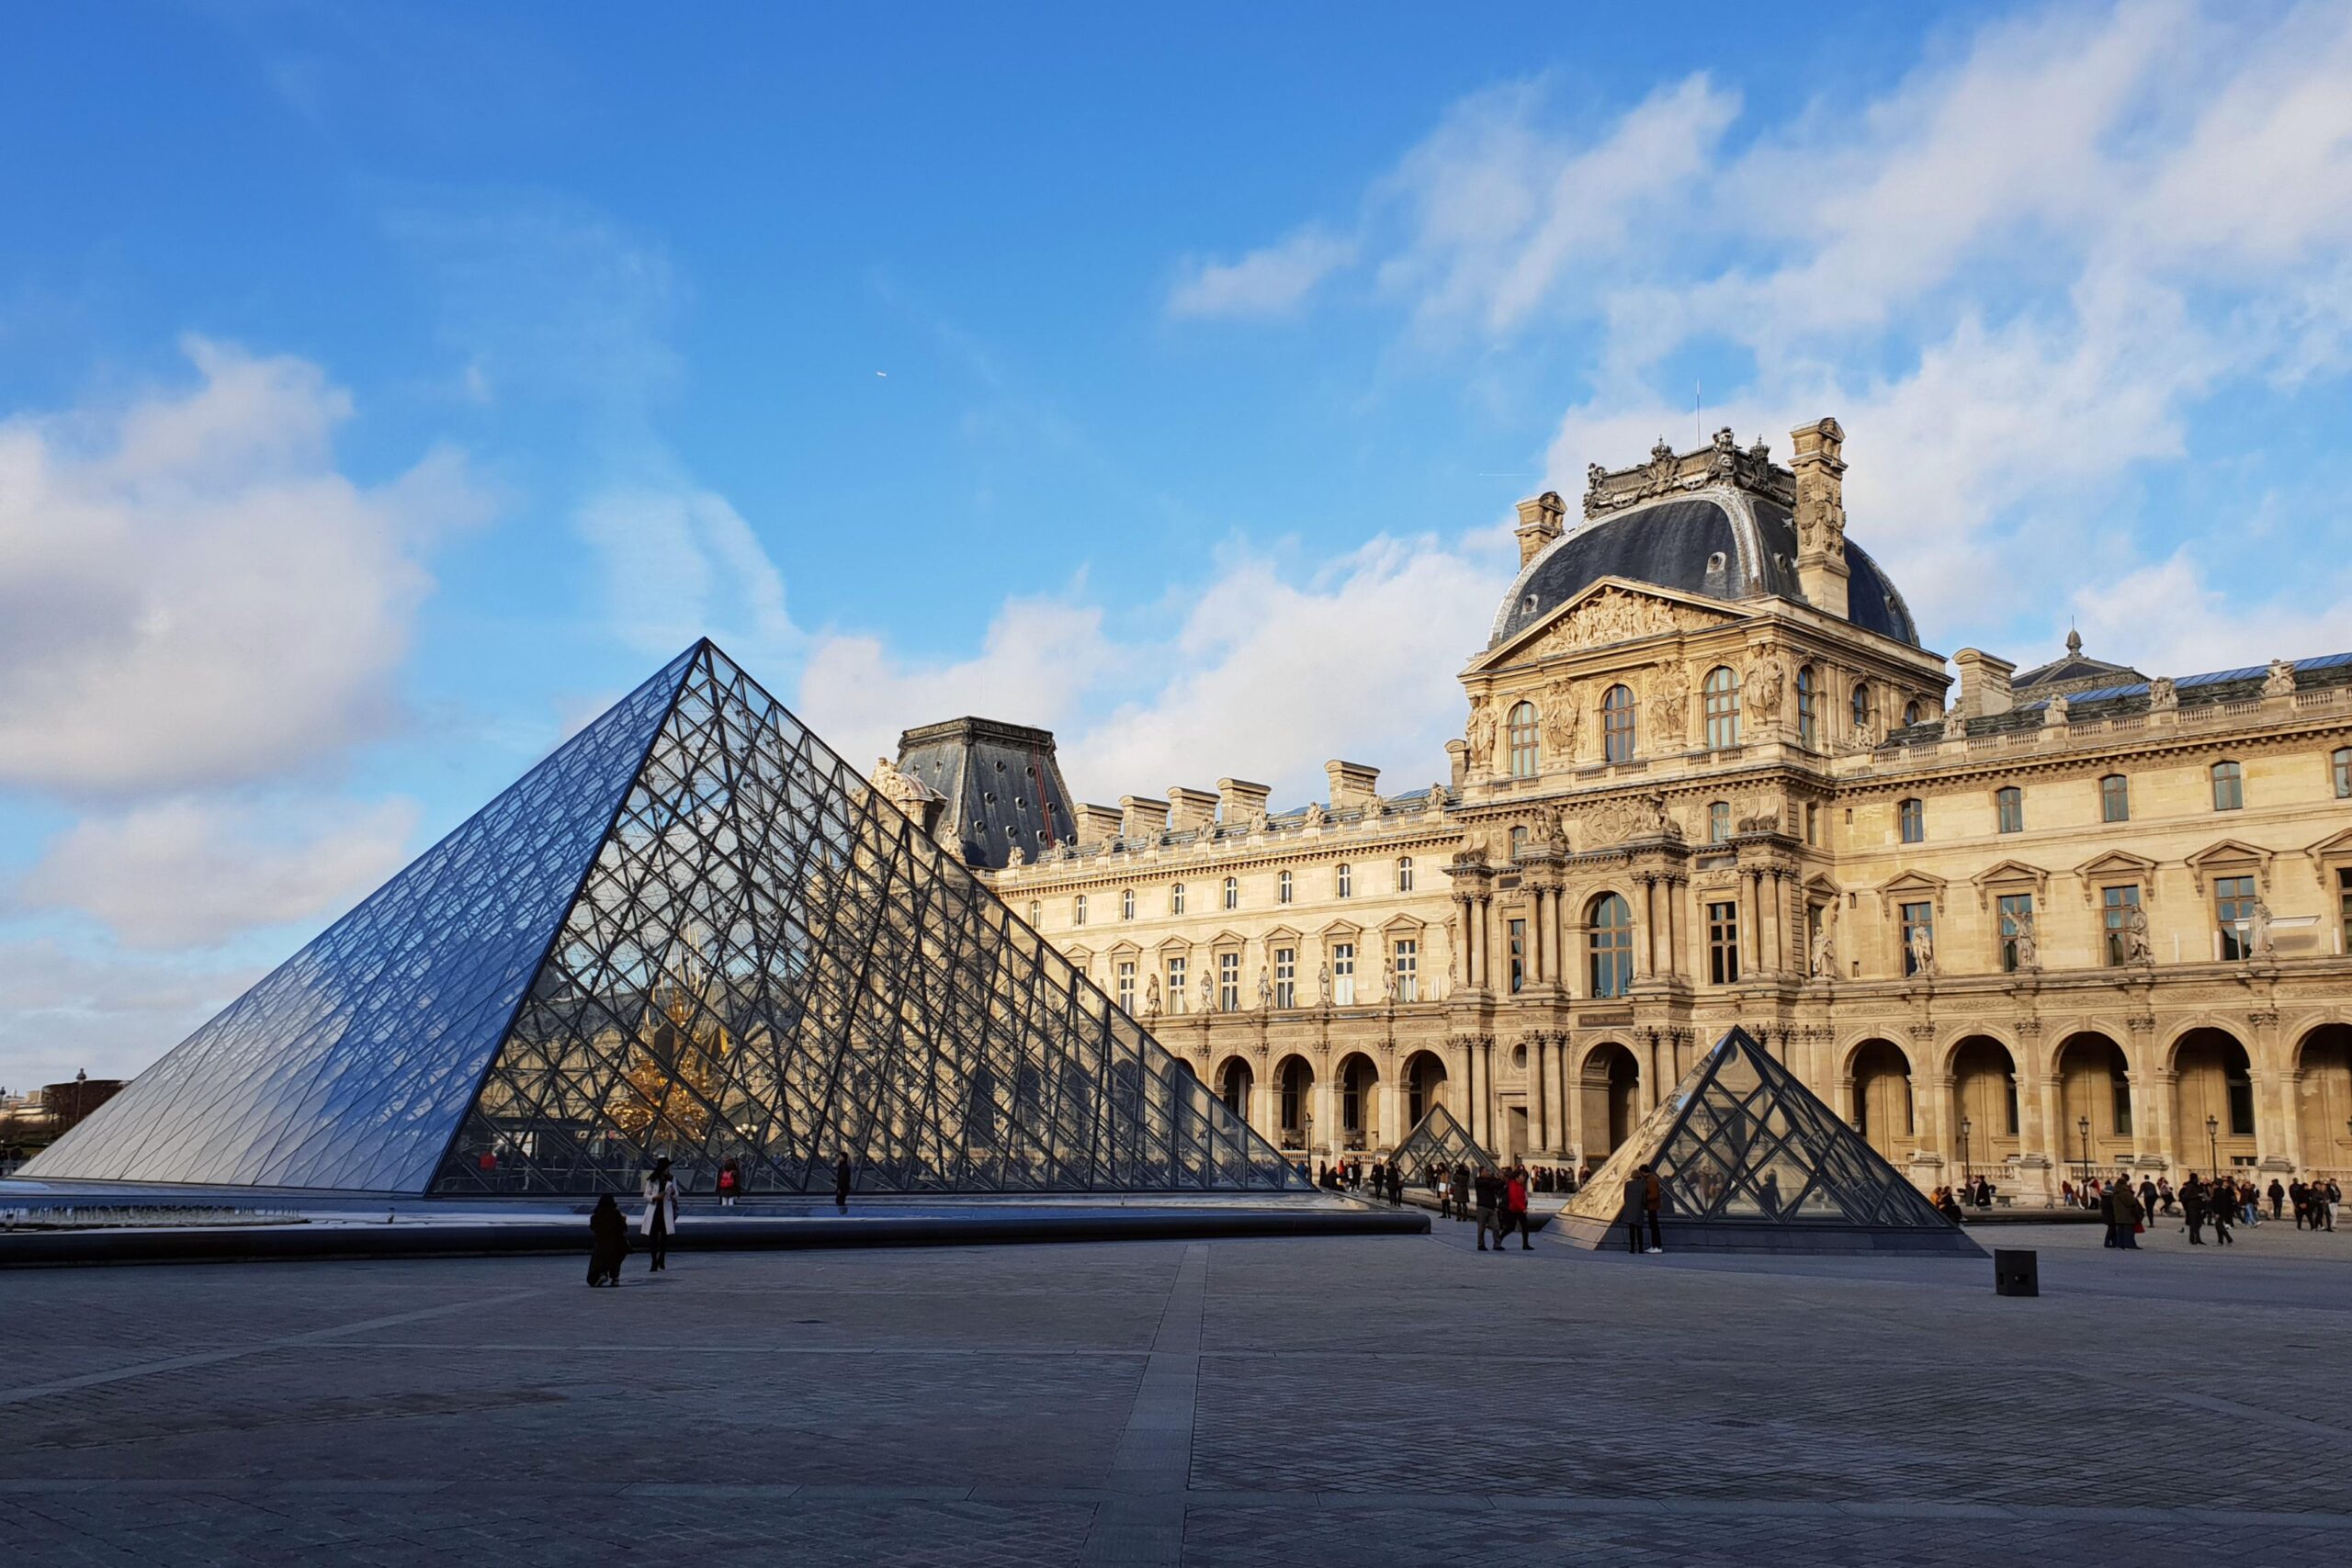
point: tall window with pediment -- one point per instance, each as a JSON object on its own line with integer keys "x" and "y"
{"x": 1617, "y": 724}
{"x": 1808, "y": 709}
{"x": 1610, "y": 945}
{"x": 1525, "y": 752}
{"x": 1722, "y": 690}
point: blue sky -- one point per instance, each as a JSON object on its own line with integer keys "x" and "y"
{"x": 383, "y": 389}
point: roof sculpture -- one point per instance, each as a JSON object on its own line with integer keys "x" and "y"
{"x": 1750, "y": 1160}
{"x": 1439, "y": 1142}
{"x": 690, "y": 932}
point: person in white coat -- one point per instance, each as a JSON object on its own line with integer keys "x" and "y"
{"x": 661, "y": 1190}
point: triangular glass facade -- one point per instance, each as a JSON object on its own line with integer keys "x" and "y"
{"x": 693, "y": 931}
{"x": 1439, "y": 1142}
{"x": 1741, "y": 1143}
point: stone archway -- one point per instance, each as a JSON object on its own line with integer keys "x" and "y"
{"x": 2323, "y": 1098}
{"x": 1358, "y": 1082}
{"x": 1294, "y": 1103}
{"x": 1424, "y": 1081}
{"x": 1984, "y": 1097}
{"x": 1611, "y": 1084}
{"x": 2096, "y": 1131}
{"x": 1884, "y": 1112}
{"x": 2213, "y": 1100}
{"x": 1237, "y": 1085}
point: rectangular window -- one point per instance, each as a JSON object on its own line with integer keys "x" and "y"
{"x": 1078, "y": 910}
{"x": 1347, "y": 882}
{"x": 1918, "y": 935}
{"x": 1229, "y": 982}
{"x": 2233, "y": 906}
{"x": 1286, "y": 976}
{"x": 1723, "y": 944}
{"x": 2009, "y": 810}
{"x": 2120, "y": 1103}
{"x": 2116, "y": 905}
{"x": 2115, "y": 798}
{"x": 1912, "y": 816}
{"x": 2340, "y": 769}
{"x": 2344, "y": 908}
{"x": 1127, "y": 986}
{"x": 1408, "y": 963}
{"x": 1405, "y": 874}
{"x": 1343, "y": 974}
{"x": 2229, "y": 786}
{"x": 2241, "y": 1107}
{"x": 1518, "y": 956}
{"x": 1175, "y": 985}
{"x": 2016, "y": 920}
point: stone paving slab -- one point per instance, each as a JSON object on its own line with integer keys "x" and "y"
{"x": 1338, "y": 1399}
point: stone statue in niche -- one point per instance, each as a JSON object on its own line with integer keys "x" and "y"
{"x": 1453, "y": 949}
{"x": 1208, "y": 989}
{"x": 1323, "y": 983}
{"x": 2259, "y": 944}
{"x": 2020, "y": 928}
{"x": 2137, "y": 948}
{"x": 1824, "y": 963}
{"x": 1266, "y": 990}
{"x": 1761, "y": 691}
{"x": 1669, "y": 701}
{"x": 1562, "y": 718}
{"x": 1922, "y": 948}
{"x": 1481, "y": 735}
{"x": 1151, "y": 996}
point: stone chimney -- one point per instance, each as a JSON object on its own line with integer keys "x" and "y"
{"x": 1098, "y": 824}
{"x": 1539, "y": 525}
{"x": 1191, "y": 809}
{"x": 1821, "y": 515}
{"x": 1244, "y": 801}
{"x": 1140, "y": 817}
{"x": 1983, "y": 683}
{"x": 1353, "y": 783}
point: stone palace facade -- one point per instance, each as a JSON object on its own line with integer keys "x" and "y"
{"x": 2074, "y": 919}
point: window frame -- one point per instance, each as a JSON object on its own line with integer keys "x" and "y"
{"x": 1405, "y": 965}
{"x": 1173, "y": 973}
{"x": 2228, "y": 777}
{"x": 2005, "y": 906}
{"x": 1808, "y": 709}
{"x": 2115, "y": 797}
{"x": 1285, "y": 978}
{"x": 1911, "y": 820}
{"x": 2008, "y": 809}
{"x": 2233, "y": 900}
{"x": 1907, "y": 921}
{"x": 1078, "y": 910}
{"x": 2339, "y": 766}
{"x": 1285, "y": 888}
{"x": 2110, "y": 917}
{"x": 1343, "y": 880}
{"x": 1175, "y": 898}
{"x": 1723, "y": 941}
{"x": 1719, "y": 704}
{"x": 1619, "y": 724}
{"x": 1524, "y": 729}
{"x": 1609, "y": 946}
{"x": 1229, "y": 982}
{"x": 1233, "y": 893}
{"x": 1719, "y": 822}
{"x": 1343, "y": 974}
{"x": 1404, "y": 873}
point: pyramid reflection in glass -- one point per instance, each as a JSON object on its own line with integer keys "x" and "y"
{"x": 1749, "y": 1159}
{"x": 693, "y": 931}
{"x": 1439, "y": 1143}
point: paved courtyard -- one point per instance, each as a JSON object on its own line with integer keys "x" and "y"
{"x": 1360, "y": 1402}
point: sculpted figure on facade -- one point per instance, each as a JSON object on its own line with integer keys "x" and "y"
{"x": 1823, "y": 962}
{"x": 1669, "y": 701}
{"x": 1562, "y": 718}
{"x": 901, "y": 788}
{"x": 1015, "y": 858}
{"x": 2162, "y": 697}
{"x": 2260, "y": 942}
{"x": 1208, "y": 987}
{"x": 2137, "y": 948}
{"x": 1266, "y": 990}
{"x": 1323, "y": 983}
{"x": 2278, "y": 678}
{"x": 1453, "y": 951}
{"x": 1922, "y": 948}
{"x": 1151, "y": 996}
{"x": 1481, "y": 735}
{"x": 1435, "y": 801}
{"x": 2020, "y": 928}
{"x": 1761, "y": 688}
{"x": 1316, "y": 815}
{"x": 1955, "y": 725}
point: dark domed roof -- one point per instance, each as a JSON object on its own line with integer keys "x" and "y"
{"x": 1722, "y": 543}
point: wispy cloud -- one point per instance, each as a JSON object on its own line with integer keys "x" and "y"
{"x": 1270, "y": 281}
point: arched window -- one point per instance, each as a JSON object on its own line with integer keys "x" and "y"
{"x": 1176, "y": 900}
{"x": 1343, "y": 881}
{"x": 2229, "y": 786}
{"x": 1404, "y": 873}
{"x": 1910, "y": 714}
{"x": 1617, "y": 724}
{"x": 1127, "y": 904}
{"x": 1808, "y": 709}
{"x": 1283, "y": 884}
{"x": 2115, "y": 798}
{"x": 1719, "y": 822}
{"x": 1078, "y": 910}
{"x": 1861, "y": 705}
{"x": 1722, "y": 708}
{"x": 1232, "y": 893}
{"x": 1524, "y": 751}
{"x": 2340, "y": 765}
{"x": 1037, "y": 911}
{"x": 2008, "y": 809}
{"x": 1517, "y": 843}
{"x": 1912, "y": 816}
{"x": 1610, "y": 941}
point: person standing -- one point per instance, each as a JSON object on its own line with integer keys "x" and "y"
{"x": 607, "y": 1242}
{"x": 2127, "y": 1217}
{"x": 2107, "y": 1214}
{"x": 2278, "y": 1200}
{"x": 1642, "y": 1193}
{"x": 661, "y": 1192}
{"x": 1515, "y": 1210}
{"x": 2222, "y": 1210}
{"x": 2164, "y": 1195}
{"x": 1463, "y": 1191}
{"x": 841, "y": 1183}
{"x": 731, "y": 1182}
{"x": 2147, "y": 1198}
{"x": 2192, "y": 1209}
{"x": 1490, "y": 1197}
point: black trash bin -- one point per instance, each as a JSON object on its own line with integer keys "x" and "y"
{"x": 2016, "y": 1272}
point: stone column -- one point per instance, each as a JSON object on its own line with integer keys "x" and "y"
{"x": 1572, "y": 1097}
{"x": 1937, "y": 1102}
{"x": 1486, "y": 1053}
{"x": 2166, "y": 1086}
{"x": 1563, "y": 1117}
{"x": 1846, "y": 1098}
{"x": 1539, "y": 1118}
{"x": 1392, "y": 1106}
{"x": 1646, "y": 952}
{"x": 1678, "y": 925}
{"x": 1539, "y": 943}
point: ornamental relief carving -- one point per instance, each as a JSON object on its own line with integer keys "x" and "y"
{"x": 1614, "y": 614}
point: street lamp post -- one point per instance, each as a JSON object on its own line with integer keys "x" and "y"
{"x": 1967, "y": 1169}
{"x": 2213, "y": 1143}
{"x": 2083, "y": 1128}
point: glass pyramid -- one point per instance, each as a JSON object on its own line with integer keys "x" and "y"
{"x": 1439, "y": 1141}
{"x": 1749, "y": 1157}
{"x": 691, "y": 931}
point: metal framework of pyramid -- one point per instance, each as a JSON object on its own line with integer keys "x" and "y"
{"x": 1439, "y": 1142}
{"x": 1751, "y": 1160}
{"x": 694, "y": 931}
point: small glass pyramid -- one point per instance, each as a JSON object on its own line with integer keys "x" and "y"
{"x": 1438, "y": 1142}
{"x": 1748, "y": 1158}
{"x": 692, "y": 931}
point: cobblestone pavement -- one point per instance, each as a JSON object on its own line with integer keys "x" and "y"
{"x": 1347, "y": 1401}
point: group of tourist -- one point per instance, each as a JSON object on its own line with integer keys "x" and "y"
{"x": 2224, "y": 1204}
{"x": 1498, "y": 1198}
{"x": 1350, "y": 1176}
{"x": 608, "y": 1227}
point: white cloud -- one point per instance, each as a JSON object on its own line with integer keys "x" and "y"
{"x": 192, "y": 594}
{"x": 193, "y": 874}
{"x": 1267, "y": 282}
{"x": 2167, "y": 619}
{"x": 111, "y": 1016}
{"x": 681, "y": 562}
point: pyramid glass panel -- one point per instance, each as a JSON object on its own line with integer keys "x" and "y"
{"x": 1439, "y": 1142}
{"x": 1748, "y": 1157}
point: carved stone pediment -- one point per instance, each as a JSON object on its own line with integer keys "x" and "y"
{"x": 1610, "y": 615}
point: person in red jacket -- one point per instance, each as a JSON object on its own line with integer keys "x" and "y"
{"x": 1515, "y": 1209}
